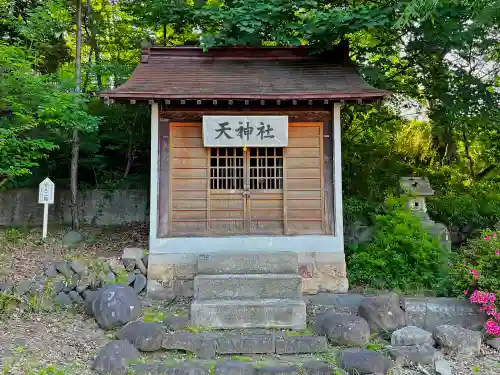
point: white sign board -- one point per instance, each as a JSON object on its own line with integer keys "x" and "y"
{"x": 240, "y": 131}
{"x": 46, "y": 191}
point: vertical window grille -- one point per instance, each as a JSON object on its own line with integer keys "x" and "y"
{"x": 226, "y": 168}
{"x": 266, "y": 168}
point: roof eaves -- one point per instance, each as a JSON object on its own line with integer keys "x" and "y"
{"x": 248, "y": 96}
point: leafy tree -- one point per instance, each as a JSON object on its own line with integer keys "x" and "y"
{"x": 32, "y": 105}
{"x": 39, "y": 25}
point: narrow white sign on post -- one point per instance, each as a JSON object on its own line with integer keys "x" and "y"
{"x": 241, "y": 131}
{"x": 46, "y": 196}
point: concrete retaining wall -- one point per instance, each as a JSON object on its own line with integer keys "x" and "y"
{"x": 20, "y": 207}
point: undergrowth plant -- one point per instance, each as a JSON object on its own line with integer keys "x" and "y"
{"x": 8, "y": 303}
{"x": 402, "y": 256}
{"x": 475, "y": 273}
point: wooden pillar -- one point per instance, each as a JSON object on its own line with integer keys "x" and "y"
{"x": 337, "y": 173}
{"x": 153, "y": 200}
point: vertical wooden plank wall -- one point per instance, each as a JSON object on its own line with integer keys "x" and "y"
{"x": 304, "y": 179}
{"x": 189, "y": 172}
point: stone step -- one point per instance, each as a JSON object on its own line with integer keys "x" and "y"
{"x": 248, "y": 263}
{"x": 250, "y": 286}
{"x": 264, "y": 313}
{"x": 228, "y": 342}
{"x": 291, "y": 365}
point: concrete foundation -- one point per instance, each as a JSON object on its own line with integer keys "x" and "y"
{"x": 275, "y": 313}
{"x": 251, "y": 286}
{"x": 173, "y": 273}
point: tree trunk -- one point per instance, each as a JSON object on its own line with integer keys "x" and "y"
{"x": 75, "y": 147}
{"x": 485, "y": 171}
{"x": 75, "y": 151}
{"x": 467, "y": 153}
{"x": 87, "y": 73}
{"x": 95, "y": 46}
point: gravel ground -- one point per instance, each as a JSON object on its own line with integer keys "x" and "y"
{"x": 487, "y": 364}
{"x": 71, "y": 339}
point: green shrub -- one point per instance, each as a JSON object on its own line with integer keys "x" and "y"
{"x": 13, "y": 235}
{"x": 403, "y": 255}
{"x": 477, "y": 205}
{"x": 481, "y": 255}
{"x": 8, "y": 303}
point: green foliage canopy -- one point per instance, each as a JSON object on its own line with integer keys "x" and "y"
{"x": 32, "y": 104}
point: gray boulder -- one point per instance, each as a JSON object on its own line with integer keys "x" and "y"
{"x": 72, "y": 239}
{"x": 141, "y": 266}
{"x": 442, "y": 367}
{"x": 494, "y": 343}
{"x": 424, "y": 354}
{"x": 314, "y": 367}
{"x": 51, "y": 271}
{"x": 140, "y": 283}
{"x": 234, "y": 368}
{"x": 83, "y": 284}
{"x": 383, "y": 313}
{"x": 342, "y": 329}
{"x": 174, "y": 323}
{"x": 145, "y": 260}
{"x": 458, "y": 340}
{"x": 76, "y": 297}
{"x": 78, "y": 267}
{"x": 277, "y": 369}
{"x": 23, "y": 287}
{"x": 115, "y": 358}
{"x": 411, "y": 335}
{"x": 71, "y": 284}
{"x": 157, "y": 368}
{"x": 115, "y": 305}
{"x": 130, "y": 256}
{"x": 57, "y": 286}
{"x": 363, "y": 361}
{"x": 130, "y": 278}
{"x": 88, "y": 295}
{"x": 147, "y": 337}
{"x": 63, "y": 300}
{"x": 65, "y": 269}
{"x": 38, "y": 286}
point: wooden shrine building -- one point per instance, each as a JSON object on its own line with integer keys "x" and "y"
{"x": 245, "y": 156}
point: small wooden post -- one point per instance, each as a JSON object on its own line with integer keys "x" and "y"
{"x": 46, "y": 196}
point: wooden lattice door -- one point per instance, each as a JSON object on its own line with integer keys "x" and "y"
{"x": 246, "y": 191}
{"x": 265, "y": 185}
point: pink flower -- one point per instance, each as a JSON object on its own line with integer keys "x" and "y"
{"x": 494, "y": 235}
{"x": 487, "y": 238}
{"x": 492, "y": 327}
{"x": 475, "y": 273}
{"x": 497, "y": 252}
{"x": 466, "y": 291}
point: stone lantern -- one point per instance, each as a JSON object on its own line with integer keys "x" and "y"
{"x": 419, "y": 188}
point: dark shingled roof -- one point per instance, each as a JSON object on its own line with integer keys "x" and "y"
{"x": 242, "y": 73}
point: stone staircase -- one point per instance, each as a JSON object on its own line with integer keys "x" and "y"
{"x": 248, "y": 290}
